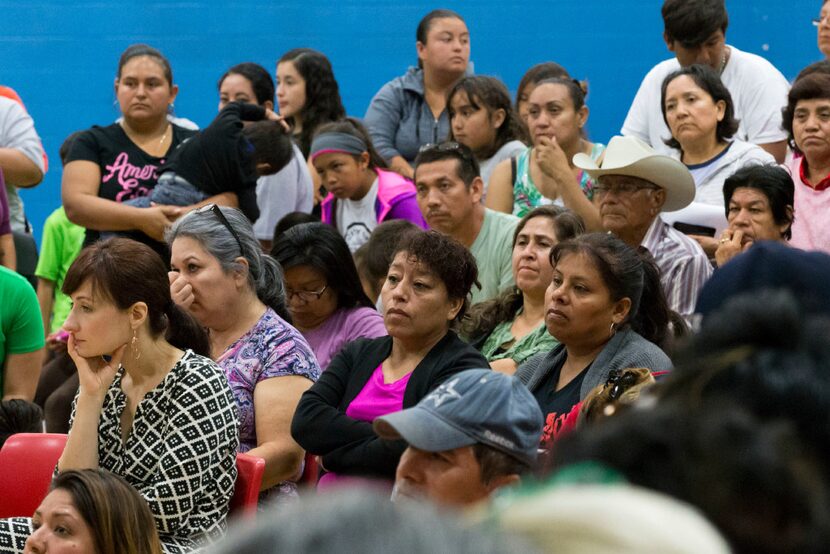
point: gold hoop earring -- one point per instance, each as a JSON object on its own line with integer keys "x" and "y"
{"x": 134, "y": 345}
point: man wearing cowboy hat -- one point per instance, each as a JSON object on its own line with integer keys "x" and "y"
{"x": 635, "y": 185}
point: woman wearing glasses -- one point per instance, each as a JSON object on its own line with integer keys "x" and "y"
{"x": 323, "y": 289}
{"x": 362, "y": 192}
{"x": 606, "y": 308}
{"x": 222, "y": 278}
{"x": 425, "y": 292}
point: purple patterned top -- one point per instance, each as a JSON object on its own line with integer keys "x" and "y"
{"x": 271, "y": 348}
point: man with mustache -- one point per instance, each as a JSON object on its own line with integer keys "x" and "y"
{"x": 635, "y": 185}
{"x": 476, "y": 433}
{"x": 449, "y": 189}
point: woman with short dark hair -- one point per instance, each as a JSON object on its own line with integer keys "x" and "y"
{"x": 808, "y": 124}
{"x": 425, "y": 292}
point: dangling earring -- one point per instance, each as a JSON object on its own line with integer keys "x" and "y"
{"x": 613, "y": 330}
{"x": 134, "y": 345}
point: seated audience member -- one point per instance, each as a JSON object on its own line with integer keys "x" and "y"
{"x": 771, "y": 264}
{"x": 289, "y": 189}
{"x": 449, "y": 194}
{"x": 8, "y": 254}
{"x": 511, "y": 327}
{"x": 822, "y": 23}
{"x": 695, "y": 31}
{"x": 607, "y": 311}
{"x": 411, "y": 111}
{"x": 60, "y": 245}
{"x": 759, "y": 206}
{"x": 587, "y": 518}
{"x": 154, "y": 411}
{"x": 94, "y": 511}
{"x": 544, "y": 173}
{"x": 698, "y": 109}
{"x": 22, "y": 159}
{"x": 532, "y": 77}
{"x": 754, "y": 380}
{"x": 373, "y": 258}
{"x": 325, "y": 297}
{"x": 307, "y": 94}
{"x": 482, "y": 118}
{"x": 19, "y": 416}
{"x": 226, "y": 157}
{"x": 635, "y": 185}
{"x": 236, "y": 292}
{"x": 361, "y": 192}
{"x": 805, "y": 119}
{"x": 364, "y": 521}
{"x": 473, "y": 435}
{"x": 425, "y": 292}
{"x": 21, "y": 331}
{"x": 107, "y": 166}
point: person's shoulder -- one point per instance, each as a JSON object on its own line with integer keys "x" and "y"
{"x": 503, "y": 223}
{"x": 13, "y": 282}
{"x": 642, "y": 351}
{"x": 412, "y": 80}
{"x": 656, "y": 74}
{"x": 753, "y": 66}
{"x": 747, "y": 153}
{"x": 183, "y": 133}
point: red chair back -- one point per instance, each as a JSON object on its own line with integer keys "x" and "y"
{"x": 27, "y": 462}
{"x": 311, "y": 471}
{"x": 250, "y": 470}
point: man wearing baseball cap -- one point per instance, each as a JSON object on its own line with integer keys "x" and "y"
{"x": 476, "y": 433}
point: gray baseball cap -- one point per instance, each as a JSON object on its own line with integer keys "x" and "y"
{"x": 473, "y": 406}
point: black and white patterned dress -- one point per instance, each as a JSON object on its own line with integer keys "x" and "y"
{"x": 180, "y": 455}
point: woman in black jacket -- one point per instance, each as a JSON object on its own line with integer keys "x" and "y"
{"x": 426, "y": 290}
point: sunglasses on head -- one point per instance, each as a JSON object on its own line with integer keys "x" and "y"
{"x": 224, "y": 221}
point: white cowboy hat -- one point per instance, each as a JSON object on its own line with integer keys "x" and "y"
{"x": 632, "y": 157}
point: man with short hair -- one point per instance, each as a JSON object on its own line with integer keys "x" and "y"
{"x": 695, "y": 30}
{"x": 476, "y": 433}
{"x": 635, "y": 185}
{"x": 759, "y": 203}
{"x": 449, "y": 189}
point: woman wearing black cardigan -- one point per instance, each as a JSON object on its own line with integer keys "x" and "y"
{"x": 426, "y": 289}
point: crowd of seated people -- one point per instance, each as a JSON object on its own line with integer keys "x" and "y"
{"x": 459, "y": 302}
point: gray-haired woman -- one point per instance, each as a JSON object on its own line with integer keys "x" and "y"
{"x": 222, "y": 277}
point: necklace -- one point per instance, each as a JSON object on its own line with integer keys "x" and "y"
{"x": 167, "y": 130}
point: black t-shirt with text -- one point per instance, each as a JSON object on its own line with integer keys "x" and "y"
{"x": 127, "y": 171}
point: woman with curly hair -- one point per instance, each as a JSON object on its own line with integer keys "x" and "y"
{"x": 511, "y": 327}
{"x": 307, "y": 93}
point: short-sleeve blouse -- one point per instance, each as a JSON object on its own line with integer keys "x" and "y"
{"x": 271, "y": 348}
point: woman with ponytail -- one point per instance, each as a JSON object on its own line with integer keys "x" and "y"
{"x": 223, "y": 279}
{"x": 150, "y": 407}
{"x": 606, "y": 308}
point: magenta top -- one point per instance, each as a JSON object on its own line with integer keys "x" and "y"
{"x": 377, "y": 398}
{"x": 343, "y": 326}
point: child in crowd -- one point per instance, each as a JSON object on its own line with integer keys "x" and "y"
{"x": 227, "y": 156}
{"x": 362, "y": 192}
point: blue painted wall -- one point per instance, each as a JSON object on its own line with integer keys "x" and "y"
{"x": 61, "y": 56}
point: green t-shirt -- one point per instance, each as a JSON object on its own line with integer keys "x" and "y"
{"x": 538, "y": 340}
{"x": 493, "y": 251}
{"x": 21, "y": 327}
{"x": 62, "y": 242}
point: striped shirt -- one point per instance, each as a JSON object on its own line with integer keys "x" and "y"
{"x": 684, "y": 267}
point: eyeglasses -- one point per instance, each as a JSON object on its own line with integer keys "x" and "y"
{"x": 305, "y": 296}
{"x": 224, "y": 221}
{"x": 819, "y": 20}
{"x": 620, "y": 381}
{"x": 448, "y": 146}
{"x": 621, "y": 188}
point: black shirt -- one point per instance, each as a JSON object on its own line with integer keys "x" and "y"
{"x": 562, "y": 401}
{"x": 127, "y": 171}
{"x": 220, "y": 159}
